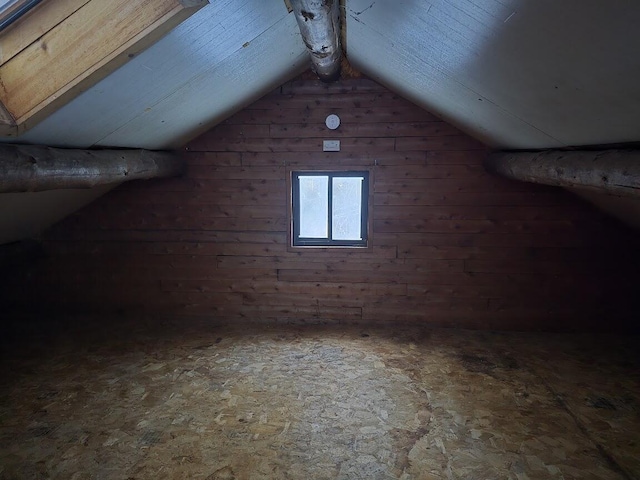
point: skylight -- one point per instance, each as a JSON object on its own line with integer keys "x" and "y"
{"x": 11, "y": 10}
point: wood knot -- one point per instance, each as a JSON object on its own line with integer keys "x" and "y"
{"x": 307, "y": 15}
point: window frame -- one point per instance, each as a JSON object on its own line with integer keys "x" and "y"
{"x": 13, "y": 10}
{"x": 327, "y": 242}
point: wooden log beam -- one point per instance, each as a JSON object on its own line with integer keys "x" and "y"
{"x": 616, "y": 172}
{"x": 29, "y": 168}
{"x": 319, "y": 24}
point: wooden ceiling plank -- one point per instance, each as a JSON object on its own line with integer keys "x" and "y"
{"x": 34, "y": 25}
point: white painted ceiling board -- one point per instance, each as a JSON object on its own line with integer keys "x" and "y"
{"x": 207, "y": 67}
{"x": 217, "y": 93}
{"x": 515, "y": 73}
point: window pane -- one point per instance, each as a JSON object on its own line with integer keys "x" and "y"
{"x": 5, "y": 4}
{"x": 314, "y": 206}
{"x": 347, "y": 208}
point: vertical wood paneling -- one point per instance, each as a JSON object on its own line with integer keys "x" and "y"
{"x": 453, "y": 245}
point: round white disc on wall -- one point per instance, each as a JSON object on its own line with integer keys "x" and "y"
{"x": 332, "y": 121}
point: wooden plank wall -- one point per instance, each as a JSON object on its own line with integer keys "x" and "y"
{"x": 453, "y": 245}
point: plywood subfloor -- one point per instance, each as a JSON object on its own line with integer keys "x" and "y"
{"x": 170, "y": 400}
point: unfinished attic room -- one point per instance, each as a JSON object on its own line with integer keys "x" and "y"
{"x": 304, "y": 239}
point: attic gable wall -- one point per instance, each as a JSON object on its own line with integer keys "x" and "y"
{"x": 452, "y": 245}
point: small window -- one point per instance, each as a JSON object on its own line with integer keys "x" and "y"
{"x": 330, "y": 208}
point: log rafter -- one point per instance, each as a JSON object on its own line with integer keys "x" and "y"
{"x": 616, "y": 172}
{"x": 319, "y": 24}
{"x": 30, "y": 168}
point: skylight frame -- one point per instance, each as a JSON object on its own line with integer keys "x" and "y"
{"x": 12, "y": 10}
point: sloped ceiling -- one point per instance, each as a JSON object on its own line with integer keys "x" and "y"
{"x": 513, "y": 73}
{"x": 222, "y": 58}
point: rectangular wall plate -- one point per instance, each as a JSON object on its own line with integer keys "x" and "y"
{"x": 331, "y": 145}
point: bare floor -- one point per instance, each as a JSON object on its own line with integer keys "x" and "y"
{"x": 163, "y": 399}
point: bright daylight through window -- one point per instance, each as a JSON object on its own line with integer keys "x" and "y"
{"x": 330, "y": 208}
